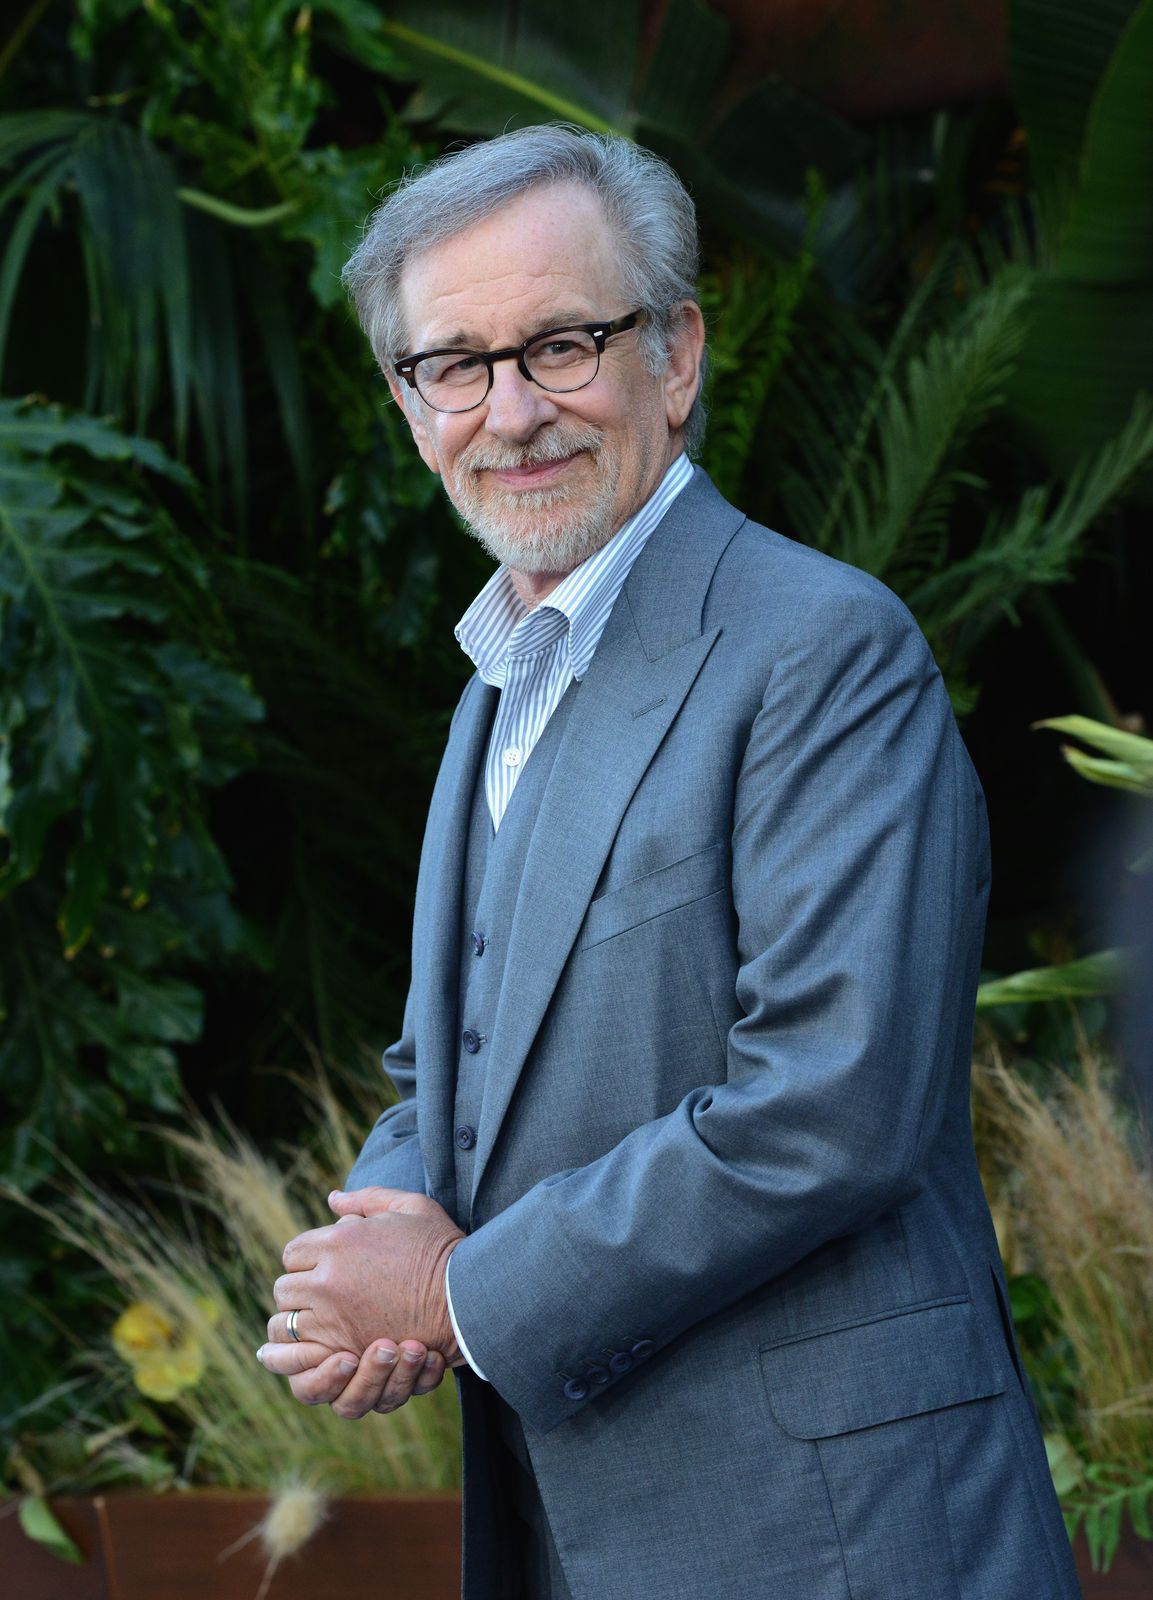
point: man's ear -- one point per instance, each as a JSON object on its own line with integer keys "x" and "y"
{"x": 683, "y": 373}
{"x": 404, "y": 397}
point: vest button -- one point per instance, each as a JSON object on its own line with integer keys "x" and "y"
{"x": 477, "y": 942}
{"x": 471, "y": 1041}
{"x": 576, "y": 1389}
{"x": 465, "y": 1137}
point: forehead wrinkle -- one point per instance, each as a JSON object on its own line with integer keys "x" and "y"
{"x": 461, "y": 339}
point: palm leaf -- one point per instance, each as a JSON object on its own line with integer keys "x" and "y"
{"x": 1039, "y": 543}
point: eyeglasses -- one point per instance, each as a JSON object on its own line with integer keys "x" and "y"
{"x": 560, "y": 360}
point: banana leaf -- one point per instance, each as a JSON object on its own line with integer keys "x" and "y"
{"x": 1084, "y": 80}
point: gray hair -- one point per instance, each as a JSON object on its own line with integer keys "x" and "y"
{"x": 648, "y": 208}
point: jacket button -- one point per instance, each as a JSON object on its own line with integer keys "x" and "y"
{"x": 643, "y": 1349}
{"x": 597, "y": 1374}
{"x": 477, "y": 942}
{"x": 576, "y": 1389}
{"x": 465, "y": 1137}
{"x": 471, "y": 1041}
{"x": 620, "y": 1361}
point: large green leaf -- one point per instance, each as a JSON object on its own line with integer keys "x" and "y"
{"x": 1059, "y": 50}
{"x": 1107, "y": 238}
{"x": 1094, "y": 975}
{"x": 1089, "y": 71}
{"x": 119, "y": 709}
{"x": 658, "y": 77}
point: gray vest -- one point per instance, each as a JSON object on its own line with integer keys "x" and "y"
{"x": 493, "y": 866}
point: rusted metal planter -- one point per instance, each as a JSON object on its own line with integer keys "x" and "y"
{"x": 395, "y": 1547}
{"x": 192, "y": 1547}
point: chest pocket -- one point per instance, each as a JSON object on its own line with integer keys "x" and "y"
{"x": 667, "y": 889}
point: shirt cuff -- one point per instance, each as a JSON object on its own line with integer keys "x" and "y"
{"x": 456, "y": 1326}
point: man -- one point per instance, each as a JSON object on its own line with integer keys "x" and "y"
{"x": 684, "y": 1127}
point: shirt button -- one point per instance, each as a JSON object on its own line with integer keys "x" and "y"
{"x": 477, "y": 942}
{"x": 471, "y": 1041}
{"x": 465, "y": 1137}
{"x": 576, "y": 1389}
{"x": 511, "y": 757}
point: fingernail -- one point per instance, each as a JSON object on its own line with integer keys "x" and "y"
{"x": 430, "y": 1359}
{"x": 346, "y": 1366}
{"x": 335, "y": 1194}
{"x": 386, "y": 1357}
{"x": 260, "y": 1355}
{"x": 413, "y": 1356}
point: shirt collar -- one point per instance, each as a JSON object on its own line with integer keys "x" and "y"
{"x": 498, "y": 623}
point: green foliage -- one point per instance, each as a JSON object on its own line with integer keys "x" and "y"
{"x": 121, "y": 710}
{"x": 664, "y": 78}
{"x": 750, "y": 308}
{"x": 1084, "y": 78}
{"x": 1130, "y": 755}
{"x": 1107, "y": 1498}
{"x": 39, "y": 1522}
{"x": 1103, "y": 973}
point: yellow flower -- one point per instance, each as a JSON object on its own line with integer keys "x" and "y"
{"x": 163, "y": 1361}
{"x": 164, "y": 1376}
{"x": 141, "y": 1329}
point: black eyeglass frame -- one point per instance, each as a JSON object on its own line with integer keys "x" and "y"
{"x": 598, "y": 332}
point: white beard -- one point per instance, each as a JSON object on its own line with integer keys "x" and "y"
{"x": 537, "y": 530}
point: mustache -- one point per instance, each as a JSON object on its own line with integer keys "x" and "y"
{"x": 554, "y": 444}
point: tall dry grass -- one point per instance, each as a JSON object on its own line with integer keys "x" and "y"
{"x": 217, "y": 1238}
{"x": 1072, "y": 1181}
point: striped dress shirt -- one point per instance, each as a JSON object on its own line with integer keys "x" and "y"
{"x": 532, "y": 656}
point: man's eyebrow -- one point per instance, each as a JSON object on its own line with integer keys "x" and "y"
{"x": 461, "y": 339}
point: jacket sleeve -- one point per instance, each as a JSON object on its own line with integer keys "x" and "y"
{"x": 391, "y": 1154}
{"x": 857, "y": 881}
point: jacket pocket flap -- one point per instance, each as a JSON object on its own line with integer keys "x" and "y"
{"x": 914, "y": 1361}
{"x": 642, "y": 899}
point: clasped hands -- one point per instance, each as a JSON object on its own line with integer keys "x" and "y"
{"x": 373, "y": 1321}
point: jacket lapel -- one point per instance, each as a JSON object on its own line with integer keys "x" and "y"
{"x": 436, "y": 934}
{"x": 648, "y": 658}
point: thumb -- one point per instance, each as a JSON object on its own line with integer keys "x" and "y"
{"x": 368, "y": 1202}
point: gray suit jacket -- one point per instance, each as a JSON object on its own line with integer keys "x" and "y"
{"x": 725, "y": 1133}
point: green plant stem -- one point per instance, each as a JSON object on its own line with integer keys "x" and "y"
{"x": 238, "y": 216}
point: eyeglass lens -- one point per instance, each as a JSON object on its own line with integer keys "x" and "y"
{"x": 457, "y": 380}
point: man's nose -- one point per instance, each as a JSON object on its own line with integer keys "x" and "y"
{"x": 516, "y": 406}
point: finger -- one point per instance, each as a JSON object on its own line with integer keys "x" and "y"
{"x": 431, "y": 1374}
{"x": 365, "y": 1390}
{"x": 287, "y": 1360}
{"x": 323, "y": 1384}
{"x": 410, "y": 1375}
{"x": 292, "y": 1291}
{"x": 369, "y": 1202}
{"x": 303, "y": 1252}
{"x": 406, "y": 1374}
{"x": 276, "y": 1328}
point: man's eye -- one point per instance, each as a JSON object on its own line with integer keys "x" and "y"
{"x": 565, "y": 350}
{"x": 459, "y": 369}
